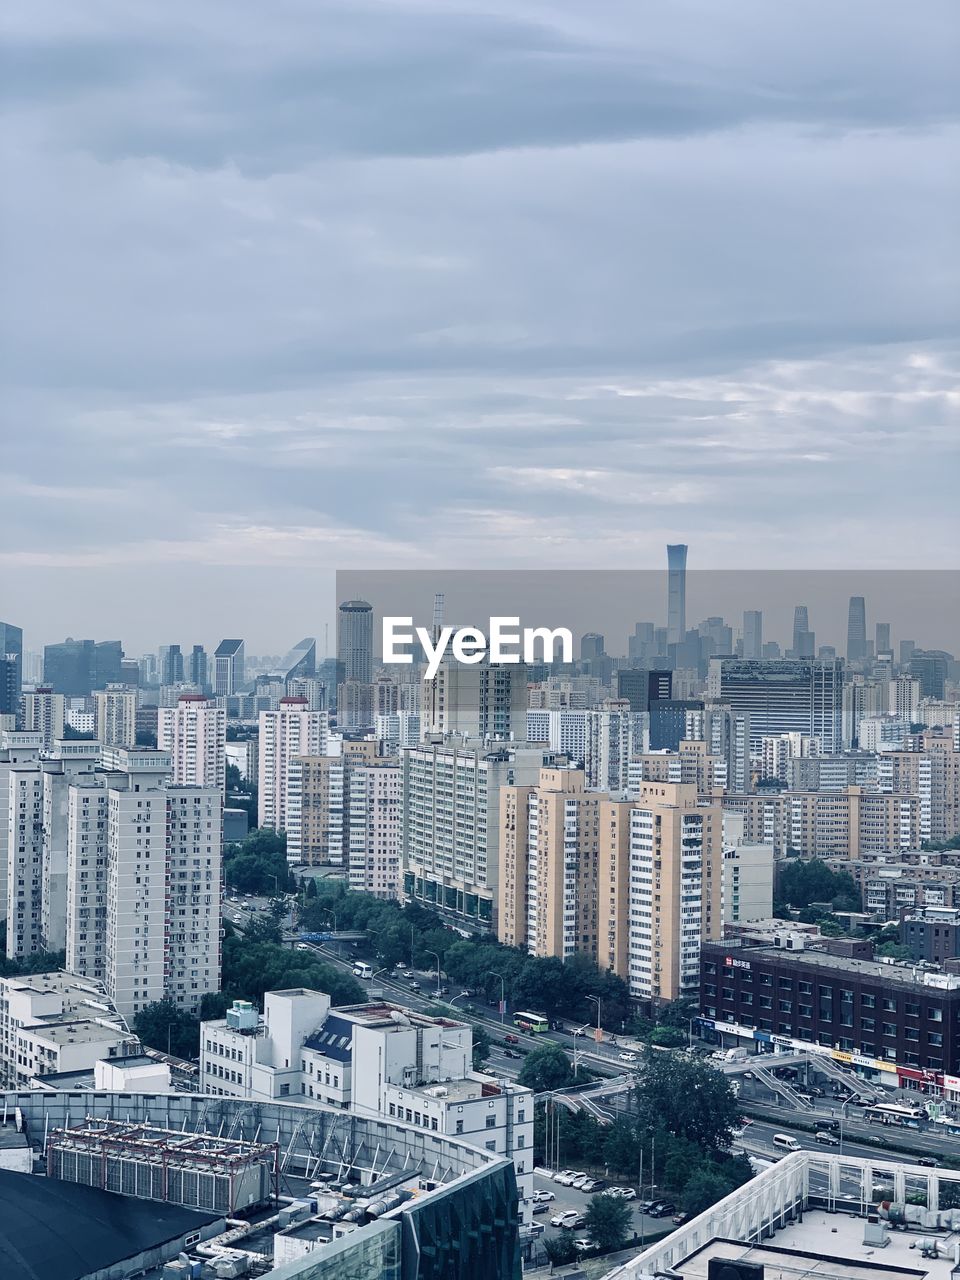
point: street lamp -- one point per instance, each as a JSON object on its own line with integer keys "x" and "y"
{"x": 436, "y": 955}
{"x": 596, "y": 1001}
{"x": 690, "y": 1022}
{"x": 502, "y": 1001}
{"x": 576, "y": 1052}
{"x": 843, "y": 1115}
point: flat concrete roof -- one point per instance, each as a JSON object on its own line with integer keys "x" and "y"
{"x": 829, "y": 1246}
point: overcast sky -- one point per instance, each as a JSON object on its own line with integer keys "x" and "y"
{"x": 304, "y": 285}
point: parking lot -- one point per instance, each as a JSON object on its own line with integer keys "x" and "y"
{"x": 569, "y": 1199}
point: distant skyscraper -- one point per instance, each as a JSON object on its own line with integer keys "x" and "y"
{"x": 228, "y": 668}
{"x": 787, "y": 696}
{"x": 591, "y": 646}
{"x": 752, "y": 633}
{"x": 11, "y": 646}
{"x": 857, "y": 629}
{"x": 804, "y": 640}
{"x": 301, "y": 662}
{"x": 9, "y": 686}
{"x": 883, "y": 638}
{"x": 171, "y": 664}
{"x": 199, "y": 668}
{"x": 355, "y": 640}
{"x": 676, "y": 592}
{"x": 77, "y": 667}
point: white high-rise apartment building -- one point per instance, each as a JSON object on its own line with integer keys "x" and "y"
{"x": 904, "y": 698}
{"x": 375, "y": 794}
{"x": 44, "y": 712}
{"x": 116, "y": 717}
{"x": 292, "y": 730}
{"x": 144, "y": 883}
{"x": 450, "y": 834}
{"x": 15, "y": 748}
{"x": 195, "y": 734}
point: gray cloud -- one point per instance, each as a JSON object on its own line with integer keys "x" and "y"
{"x": 419, "y": 284}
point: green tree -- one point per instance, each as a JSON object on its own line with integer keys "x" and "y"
{"x": 621, "y": 1148}
{"x": 163, "y": 1025}
{"x": 560, "y": 1248}
{"x": 311, "y": 890}
{"x": 259, "y": 864}
{"x": 803, "y": 881}
{"x": 689, "y": 1098}
{"x": 609, "y": 1222}
{"x": 546, "y": 1067}
{"x": 704, "y": 1188}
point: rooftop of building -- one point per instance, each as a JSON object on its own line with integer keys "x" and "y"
{"x": 128, "y": 1060}
{"x": 826, "y": 1247}
{"x": 466, "y": 1090}
{"x": 902, "y": 973}
{"x": 76, "y": 1031}
{"x": 53, "y": 1230}
{"x": 11, "y": 1137}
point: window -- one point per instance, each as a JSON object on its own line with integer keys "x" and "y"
{"x": 491, "y": 1122}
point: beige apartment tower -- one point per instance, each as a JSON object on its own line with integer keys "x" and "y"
{"x": 672, "y": 887}
{"x": 549, "y": 837}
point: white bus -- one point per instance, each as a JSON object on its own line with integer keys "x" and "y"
{"x": 362, "y": 970}
{"x": 895, "y": 1113}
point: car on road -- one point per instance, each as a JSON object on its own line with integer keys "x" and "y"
{"x": 512, "y": 1053}
{"x": 466, "y": 993}
{"x": 414, "y": 986}
{"x": 628, "y": 1057}
{"x": 511, "y": 1039}
{"x": 829, "y": 1124}
{"x": 930, "y": 1162}
{"x": 826, "y": 1138}
{"x": 407, "y": 973}
{"x": 569, "y": 1218}
{"x": 542, "y": 1196}
{"x": 303, "y": 946}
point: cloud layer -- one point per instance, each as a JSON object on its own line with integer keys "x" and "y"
{"x": 423, "y": 284}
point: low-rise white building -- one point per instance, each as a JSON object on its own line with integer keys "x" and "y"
{"x": 376, "y": 1059}
{"x": 57, "y": 1022}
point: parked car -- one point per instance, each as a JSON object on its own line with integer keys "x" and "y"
{"x": 663, "y": 1209}
{"x": 542, "y": 1196}
{"x": 646, "y": 1205}
{"x": 826, "y": 1138}
{"x": 569, "y": 1218}
{"x": 579, "y": 1180}
{"x": 565, "y": 1177}
{"x": 541, "y": 1208}
{"x": 584, "y": 1244}
{"x": 628, "y": 1057}
{"x": 680, "y": 1218}
{"x": 627, "y": 1193}
{"x": 591, "y": 1185}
